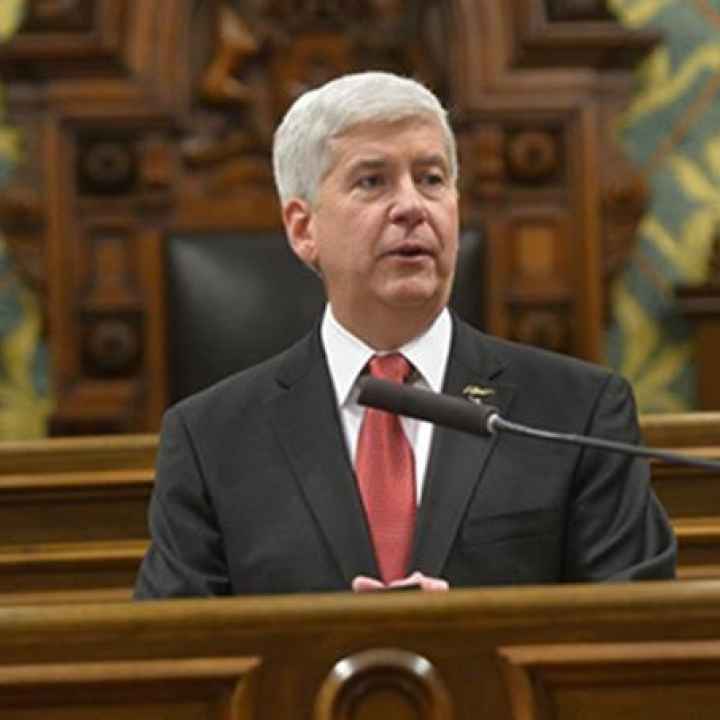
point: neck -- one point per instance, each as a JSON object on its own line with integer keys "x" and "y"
{"x": 389, "y": 331}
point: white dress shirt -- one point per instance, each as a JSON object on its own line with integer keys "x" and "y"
{"x": 347, "y": 357}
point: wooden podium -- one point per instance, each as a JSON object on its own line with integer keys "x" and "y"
{"x": 591, "y": 652}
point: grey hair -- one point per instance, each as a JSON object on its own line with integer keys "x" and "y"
{"x": 301, "y": 152}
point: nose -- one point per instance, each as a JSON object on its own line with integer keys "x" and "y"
{"x": 408, "y": 206}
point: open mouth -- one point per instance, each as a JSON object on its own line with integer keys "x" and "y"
{"x": 410, "y": 251}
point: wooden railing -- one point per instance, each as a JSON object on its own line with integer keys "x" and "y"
{"x": 73, "y": 511}
{"x": 73, "y": 517}
{"x": 690, "y": 495}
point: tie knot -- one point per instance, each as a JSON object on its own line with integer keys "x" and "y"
{"x": 393, "y": 367}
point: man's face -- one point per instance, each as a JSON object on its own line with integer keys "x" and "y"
{"x": 383, "y": 230}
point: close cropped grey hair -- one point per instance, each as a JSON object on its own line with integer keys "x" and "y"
{"x": 301, "y": 155}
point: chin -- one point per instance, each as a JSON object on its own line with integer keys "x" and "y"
{"x": 416, "y": 301}
{"x": 414, "y": 292}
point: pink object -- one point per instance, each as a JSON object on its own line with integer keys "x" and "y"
{"x": 362, "y": 583}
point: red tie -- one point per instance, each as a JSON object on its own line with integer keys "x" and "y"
{"x": 385, "y": 468}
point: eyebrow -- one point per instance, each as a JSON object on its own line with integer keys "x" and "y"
{"x": 377, "y": 163}
{"x": 367, "y": 163}
{"x": 433, "y": 159}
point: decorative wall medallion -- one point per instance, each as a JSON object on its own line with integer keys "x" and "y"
{"x": 533, "y": 155}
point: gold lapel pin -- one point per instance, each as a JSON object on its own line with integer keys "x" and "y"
{"x": 476, "y": 393}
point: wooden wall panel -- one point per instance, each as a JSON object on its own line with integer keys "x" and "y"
{"x": 184, "y": 689}
{"x": 149, "y": 118}
{"x": 606, "y": 680}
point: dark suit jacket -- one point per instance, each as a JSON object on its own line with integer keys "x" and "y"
{"x": 255, "y": 491}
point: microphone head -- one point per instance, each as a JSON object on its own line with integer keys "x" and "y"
{"x": 427, "y": 405}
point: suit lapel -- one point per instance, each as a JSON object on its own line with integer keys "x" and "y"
{"x": 306, "y": 421}
{"x": 457, "y": 459}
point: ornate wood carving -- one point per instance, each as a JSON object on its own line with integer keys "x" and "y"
{"x": 71, "y": 15}
{"x": 265, "y": 54}
{"x": 534, "y": 155}
{"x": 556, "y": 33}
{"x": 69, "y": 39}
{"x": 145, "y": 119}
{"x": 383, "y": 682}
{"x": 577, "y": 10}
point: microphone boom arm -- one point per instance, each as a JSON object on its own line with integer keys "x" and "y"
{"x": 482, "y": 419}
{"x": 499, "y": 423}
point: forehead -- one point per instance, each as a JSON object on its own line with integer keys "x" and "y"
{"x": 413, "y": 139}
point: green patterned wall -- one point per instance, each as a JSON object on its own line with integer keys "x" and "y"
{"x": 672, "y": 131}
{"x": 24, "y": 399}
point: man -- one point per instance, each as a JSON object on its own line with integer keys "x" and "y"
{"x": 276, "y": 480}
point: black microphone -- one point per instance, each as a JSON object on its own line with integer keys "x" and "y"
{"x": 453, "y": 412}
{"x": 480, "y": 419}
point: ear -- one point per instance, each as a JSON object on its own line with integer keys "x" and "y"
{"x": 297, "y": 218}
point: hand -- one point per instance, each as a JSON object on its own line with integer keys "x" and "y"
{"x": 362, "y": 583}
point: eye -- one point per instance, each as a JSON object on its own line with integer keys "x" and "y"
{"x": 432, "y": 179}
{"x": 370, "y": 182}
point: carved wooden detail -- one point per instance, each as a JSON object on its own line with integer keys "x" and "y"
{"x": 213, "y": 688}
{"x": 512, "y": 168}
{"x": 484, "y": 172}
{"x": 548, "y": 34}
{"x": 141, "y": 120}
{"x": 66, "y": 38}
{"x": 534, "y": 155}
{"x": 383, "y": 682}
{"x": 541, "y": 679}
{"x": 569, "y": 10}
{"x": 267, "y": 54}
{"x": 73, "y": 15}
{"x": 538, "y": 281}
{"x": 499, "y": 157}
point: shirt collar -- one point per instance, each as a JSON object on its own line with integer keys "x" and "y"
{"x": 347, "y": 355}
